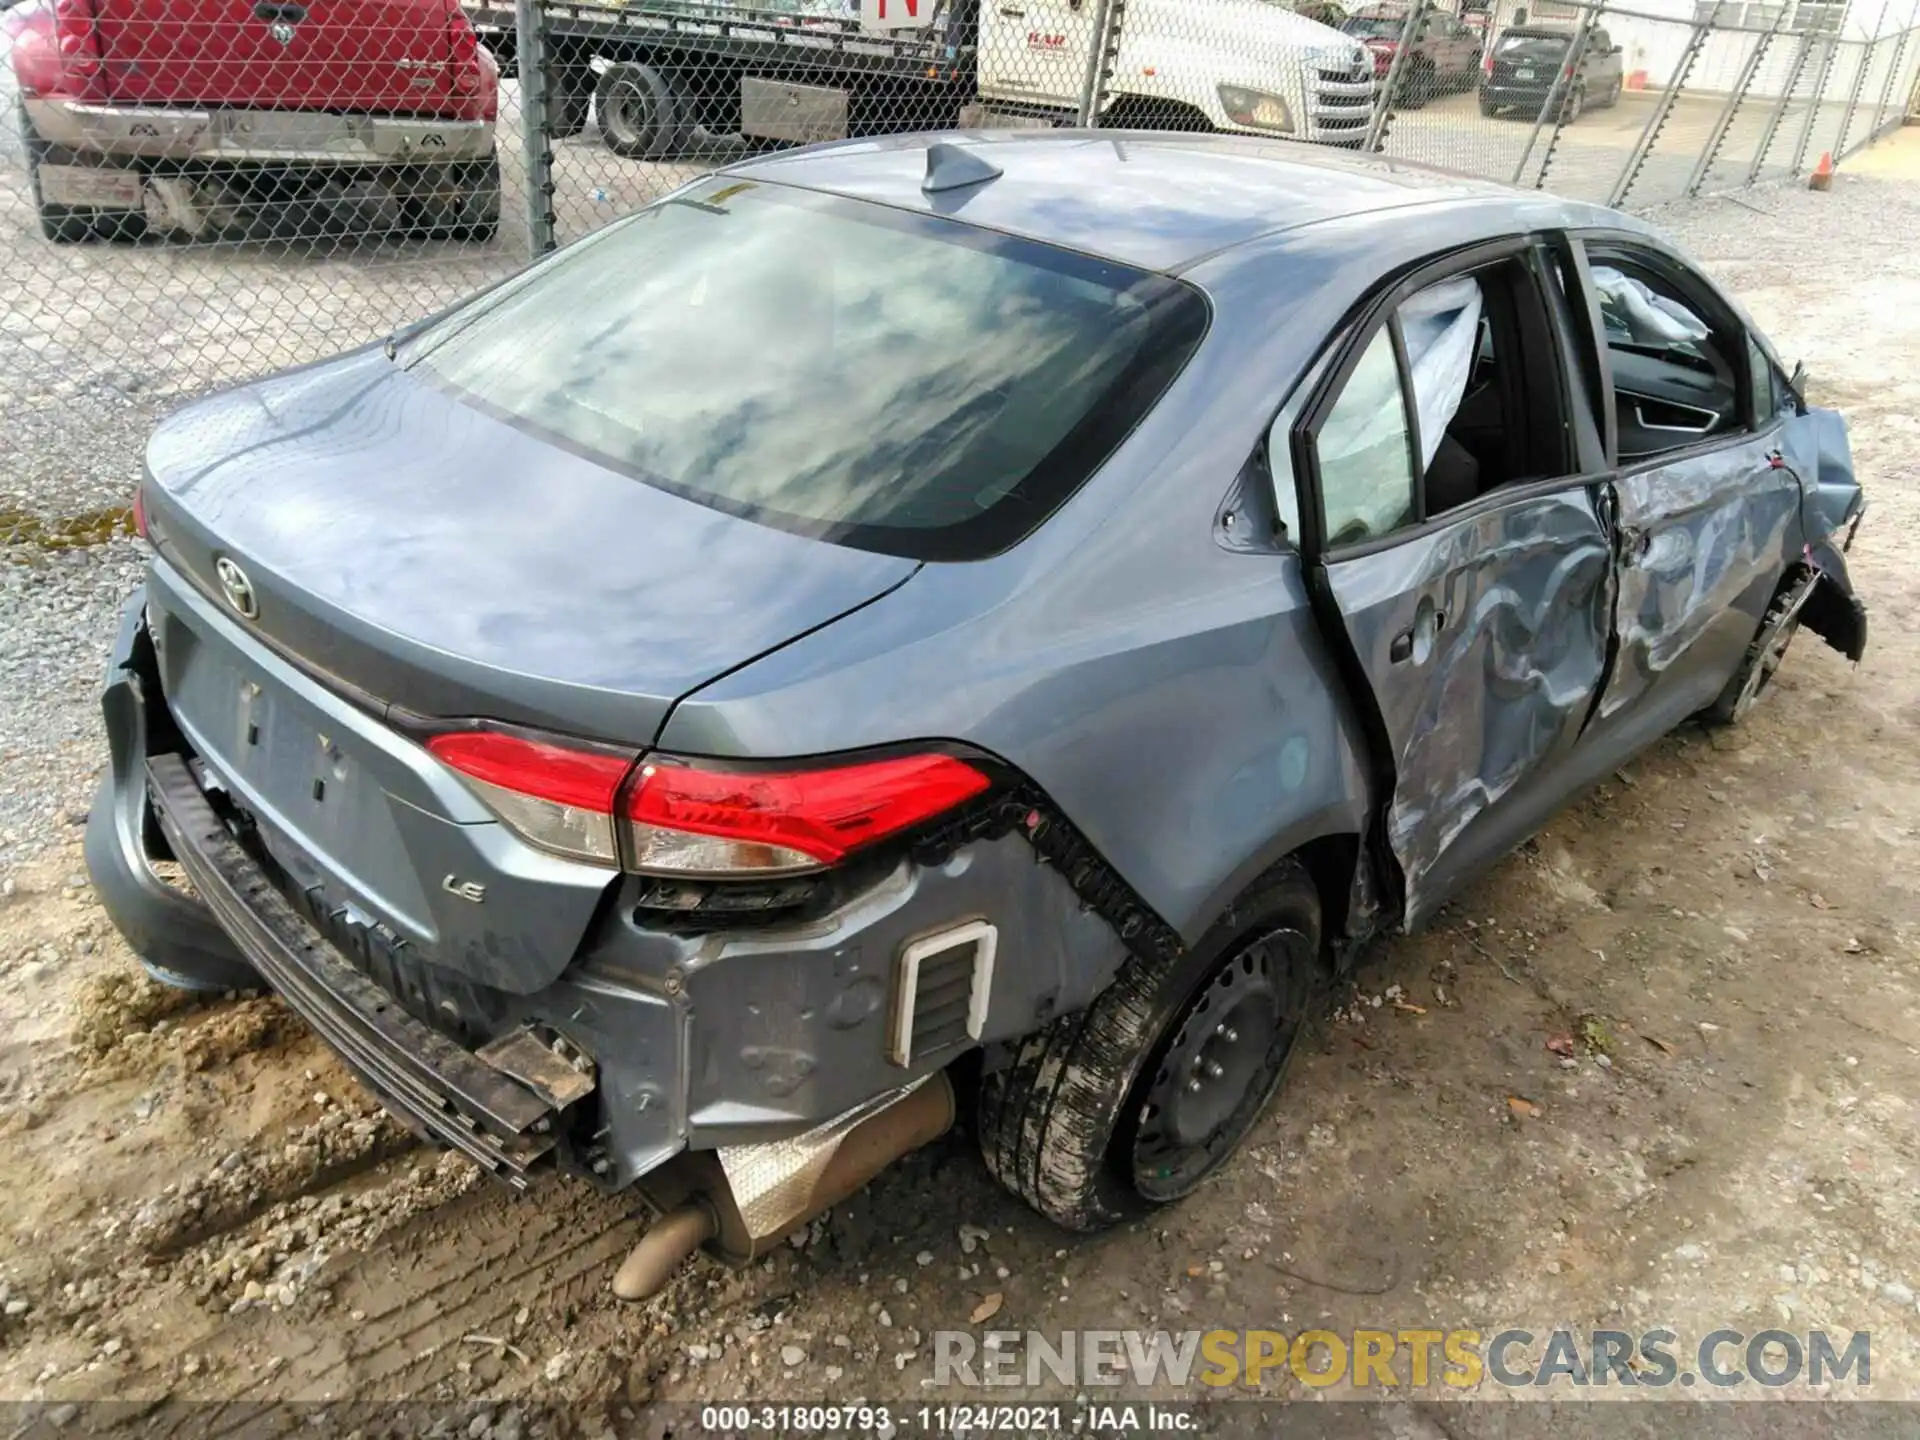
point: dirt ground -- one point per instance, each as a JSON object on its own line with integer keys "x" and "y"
{"x": 1662, "y": 1067}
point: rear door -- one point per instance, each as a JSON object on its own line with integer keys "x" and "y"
{"x": 1034, "y": 50}
{"x": 382, "y": 56}
{"x": 1460, "y": 556}
{"x": 1707, "y": 503}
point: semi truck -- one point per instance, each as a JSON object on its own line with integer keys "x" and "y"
{"x": 664, "y": 77}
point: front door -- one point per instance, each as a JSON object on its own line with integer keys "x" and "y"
{"x": 1466, "y": 568}
{"x": 1707, "y": 503}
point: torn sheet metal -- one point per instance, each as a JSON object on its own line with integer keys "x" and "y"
{"x": 1816, "y": 449}
{"x": 1484, "y": 643}
{"x": 1697, "y": 536}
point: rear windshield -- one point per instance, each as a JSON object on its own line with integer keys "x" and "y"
{"x": 1374, "y": 25}
{"x": 1531, "y": 47}
{"x": 887, "y": 380}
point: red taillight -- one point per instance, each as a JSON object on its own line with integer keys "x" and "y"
{"x": 687, "y": 820}
{"x": 140, "y": 511}
{"x": 1486, "y": 63}
{"x": 464, "y": 70}
{"x": 79, "y": 48}
{"x": 681, "y": 819}
{"x": 558, "y": 797}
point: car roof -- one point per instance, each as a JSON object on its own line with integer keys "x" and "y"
{"x": 1152, "y": 200}
{"x": 1545, "y": 32}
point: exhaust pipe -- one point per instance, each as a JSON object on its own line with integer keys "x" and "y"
{"x": 757, "y": 1195}
{"x": 670, "y": 1240}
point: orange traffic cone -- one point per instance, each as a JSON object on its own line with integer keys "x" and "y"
{"x": 1822, "y": 177}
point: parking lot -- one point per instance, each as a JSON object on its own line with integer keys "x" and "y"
{"x": 1725, "y": 935}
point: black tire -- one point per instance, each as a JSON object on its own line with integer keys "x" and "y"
{"x": 66, "y": 224}
{"x": 1083, "y": 1121}
{"x": 1487, "y": 107}
{"x": 1573, "y": 105}
{"x": 1418, "y": 86}
{"x": 639, "y": 111}
{"x": 569, "y": 94}
{"x": 455, "y": 202}
{"x": 1613, "y": 93}
{"x": 1762, "y": 660}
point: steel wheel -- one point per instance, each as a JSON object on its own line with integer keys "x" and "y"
{"x": 1226, "y": 1055}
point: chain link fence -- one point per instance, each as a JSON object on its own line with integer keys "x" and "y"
{"x": 193, "y": 192}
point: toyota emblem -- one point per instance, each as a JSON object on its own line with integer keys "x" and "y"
{"x": 282, "y": 31}
{"x": 238, "y": 589}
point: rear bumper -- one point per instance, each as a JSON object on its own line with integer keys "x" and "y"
{"x": 1530, "y": 97}
{"x": 698, "y": 1041}
{"x": 447, "y": 1094}
{"x": 136, "y": 132}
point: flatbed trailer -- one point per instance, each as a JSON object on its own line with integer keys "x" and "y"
{"x": 662, "y": 70}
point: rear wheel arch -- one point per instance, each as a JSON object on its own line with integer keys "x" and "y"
{"x": 1327, "y": 844}
{"x": 1064, "y": 1119}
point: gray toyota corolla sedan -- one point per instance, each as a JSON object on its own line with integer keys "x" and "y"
{"x": 1039, "y": 601}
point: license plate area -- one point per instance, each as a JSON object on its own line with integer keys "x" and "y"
{"x": 1523, "y": 74}
{"x": 258, "y": 739}
{"x": 311, "y": 784}
{"x": 90, "y": 187}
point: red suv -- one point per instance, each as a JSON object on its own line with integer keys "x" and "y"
{"x": 258, "y": 116}
{"x": 1444, "y": 54}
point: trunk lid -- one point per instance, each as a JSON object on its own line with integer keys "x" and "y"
{"x": 419, "y": 551}
{"x": 1527, "y": 59}
{"x": 380, "y": 56}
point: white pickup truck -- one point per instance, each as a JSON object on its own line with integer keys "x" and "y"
{"x": 658, "y": 73}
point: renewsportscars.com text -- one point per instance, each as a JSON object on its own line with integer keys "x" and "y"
{"x": 1406, "y": 1358}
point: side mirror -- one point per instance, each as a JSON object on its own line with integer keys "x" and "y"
{"x": 1797, "y": 384}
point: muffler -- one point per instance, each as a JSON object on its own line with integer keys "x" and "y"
{"x": 742, "y": 1200}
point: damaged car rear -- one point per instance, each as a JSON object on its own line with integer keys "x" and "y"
{"x": 908, "y": 601}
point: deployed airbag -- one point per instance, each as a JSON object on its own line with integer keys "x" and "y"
{"x": 1441, "y": 328}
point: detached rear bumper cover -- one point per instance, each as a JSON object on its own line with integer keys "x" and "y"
{"x": 446, "y": 1092}
{"x": 242, "y": 136}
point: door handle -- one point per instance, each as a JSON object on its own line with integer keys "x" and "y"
{"x": 1427, "y": 625}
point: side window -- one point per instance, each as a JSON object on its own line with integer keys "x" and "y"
{"x": 1770, "y": 394}
{"x": 1471, "y": 399}
{"x": 1675, "y": 365}
{"x": 1365, "y": 452}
